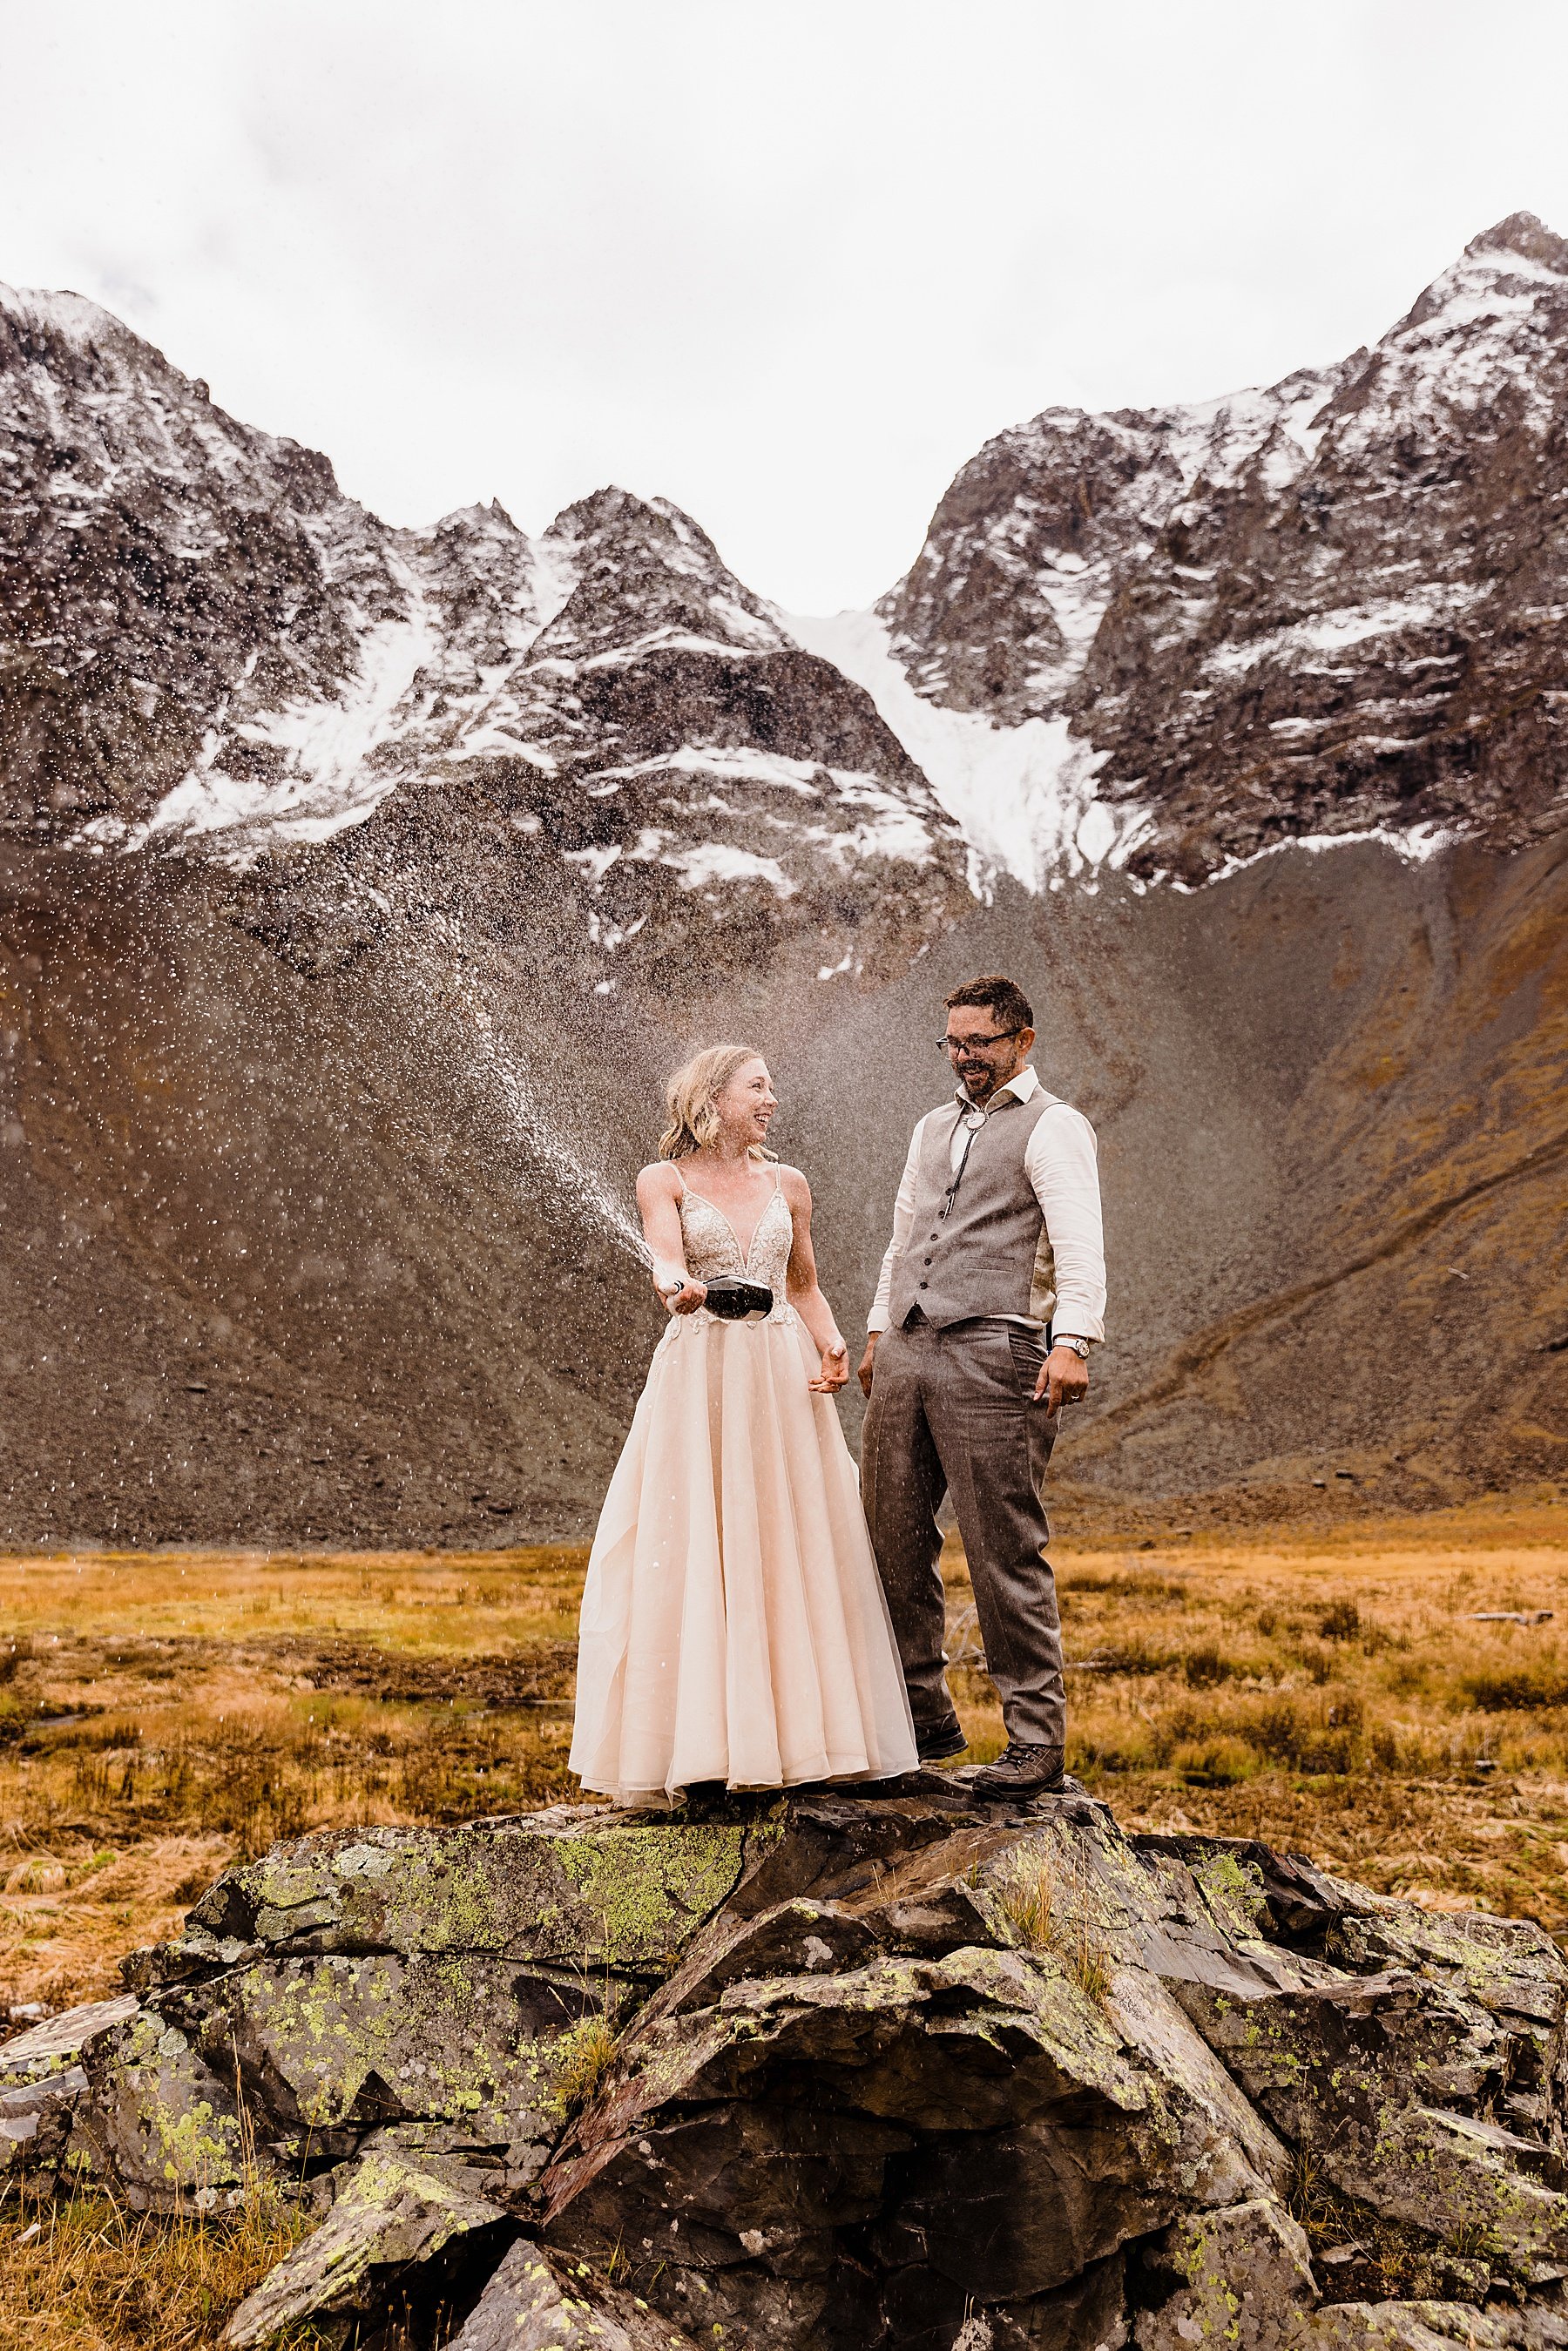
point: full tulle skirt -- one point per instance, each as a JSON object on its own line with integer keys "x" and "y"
{"x": 734, "y": 1626}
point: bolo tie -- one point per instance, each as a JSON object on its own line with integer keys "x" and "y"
{"x": 973, "y": 1120}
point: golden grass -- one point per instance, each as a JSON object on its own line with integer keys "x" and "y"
{"x": 1332, "y": 1693}
{"x": 589, "y": 2053}
{"x": 88, "y": 2275}
{"x": 161, "y": 1715}
{"x": 1058, "y": 1914}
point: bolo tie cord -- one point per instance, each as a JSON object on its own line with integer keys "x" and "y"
{"x": 973, "y": 1121}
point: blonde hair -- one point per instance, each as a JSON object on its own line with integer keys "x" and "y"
{"x": 692, "y": 1095}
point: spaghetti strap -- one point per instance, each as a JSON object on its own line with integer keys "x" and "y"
{"x": 680, "y": 1179}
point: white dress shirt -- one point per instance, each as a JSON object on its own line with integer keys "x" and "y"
{"x": 1062, "y": 1161}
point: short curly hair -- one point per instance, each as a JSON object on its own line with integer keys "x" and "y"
{"x": 1001, "y": 996}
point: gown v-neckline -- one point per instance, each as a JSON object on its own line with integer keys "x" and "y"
{"x": 744, "y": 1254}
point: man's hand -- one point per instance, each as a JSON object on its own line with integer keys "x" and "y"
{"x": 868, "y": 1363}
{"x": 1064, "y": 1379}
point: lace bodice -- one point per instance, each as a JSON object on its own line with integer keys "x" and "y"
{"x": 713, "y": 1249}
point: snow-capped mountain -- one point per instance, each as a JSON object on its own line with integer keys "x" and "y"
{"x": 1174, "y": 637}
{"x": 1162, "y": 639}
{"x": 210, "y": 648}
{"x": 359, "y": 888}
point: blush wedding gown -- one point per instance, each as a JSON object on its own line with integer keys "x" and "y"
{"x": 733, "y": 1624}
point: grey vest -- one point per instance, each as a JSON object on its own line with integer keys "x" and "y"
{"x": 990, "y": 1254}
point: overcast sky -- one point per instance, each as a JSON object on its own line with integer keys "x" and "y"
{"x": 787, "y": 263}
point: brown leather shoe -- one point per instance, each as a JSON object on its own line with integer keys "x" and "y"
{"x": 1024, "y": 1770}
{"x": 944, "y": 1739}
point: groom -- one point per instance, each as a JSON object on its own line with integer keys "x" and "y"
{"x": 992, "y": 1289}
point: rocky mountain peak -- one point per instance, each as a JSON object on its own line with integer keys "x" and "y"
{"x": 640, "y": 572}
{"x": 69, "y": 332}
{"x": 205, "y": 647}
{"x": 118, "y": 402}
{"x": 170, "y": 581}
{"x": 1332, "y": 605}
{"x": 1523, "y": 233}
{"x": 1493, "y": 326}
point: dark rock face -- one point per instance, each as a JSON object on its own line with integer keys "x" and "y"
{"x": 821, "y": 2071}
{"x": 1332, "y": 605}
{"x": 164, "y": 571}
{"x": 204, "y": 645}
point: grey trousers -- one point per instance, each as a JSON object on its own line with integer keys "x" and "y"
{"x": 952, "y": 1411}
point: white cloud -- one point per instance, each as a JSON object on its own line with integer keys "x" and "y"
{"x": 787, "y": 266}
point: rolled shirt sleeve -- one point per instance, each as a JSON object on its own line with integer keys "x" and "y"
{"x": 880, "y": 1315}
{"x": 1063, "y": 1163}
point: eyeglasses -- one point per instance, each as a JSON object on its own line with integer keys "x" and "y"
{"x": 953, "y": 1045}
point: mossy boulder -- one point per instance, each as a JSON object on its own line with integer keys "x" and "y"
{"x": 562, "y": 1887}
{"x": 854, "y": 2071}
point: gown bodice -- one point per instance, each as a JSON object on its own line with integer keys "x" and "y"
{"x": 713, "y": 1249}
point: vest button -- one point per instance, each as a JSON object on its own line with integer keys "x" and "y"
{"x": 925, "y": 1285}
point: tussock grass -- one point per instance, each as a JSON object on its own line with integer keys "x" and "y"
{"x": 163, "y": 1715}
{"x": 586, "y": 2061}
{"x": 89, "y": 2275}
{"x": 1052, "y": 1907}
{"x": 1332, "y": 1693}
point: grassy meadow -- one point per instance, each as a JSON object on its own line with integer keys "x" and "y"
{"x": 1363, "y": 1695}
{"x": 1339, "y": 1693}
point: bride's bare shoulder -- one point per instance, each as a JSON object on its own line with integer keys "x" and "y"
{"x": 658, "y": 1181}
{"x": 793, "y": 1186}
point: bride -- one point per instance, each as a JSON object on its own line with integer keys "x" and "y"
{"x": 734, "y": 1626}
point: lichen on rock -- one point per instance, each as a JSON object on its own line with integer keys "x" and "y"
{"x": 880, "y": 2070}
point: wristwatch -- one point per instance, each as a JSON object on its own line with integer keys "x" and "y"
{"x": 1078, "y": 1346}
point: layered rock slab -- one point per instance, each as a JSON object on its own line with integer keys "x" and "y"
{"x": 894, "y": 2069}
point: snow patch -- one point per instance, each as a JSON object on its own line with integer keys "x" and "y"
{"x": 716, "y": 861}
{"x": 890, "y": 828}
{"x": 1414, "y": 843}
{"x": 732, "y": 762}
{"x": 555, "y": 577}
{"x": 1020, "y": 794}
{"x": 593, "y": 863}
{"x": 667, "y": 638}
{"x": 1350, "y": 624}
{"x": 328, "y": 784}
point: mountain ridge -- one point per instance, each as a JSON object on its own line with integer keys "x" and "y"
{"x": 212, "y": 650}
{"x": 1197, "y": 609}
{"x": 1183, "y": 591}
{"x": 359, "y": 886}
